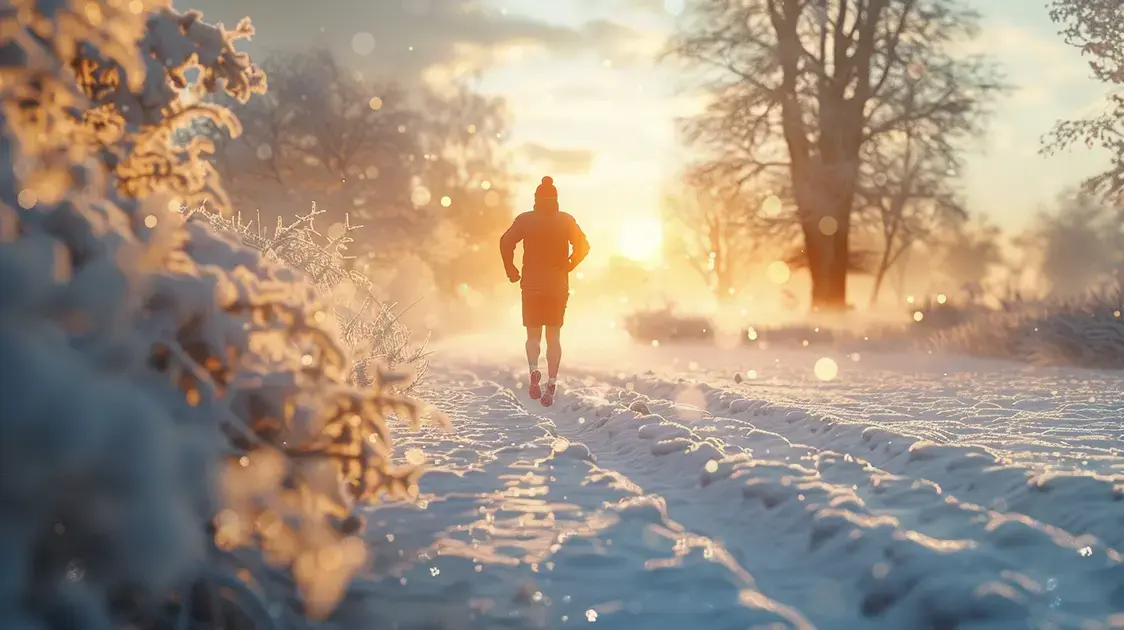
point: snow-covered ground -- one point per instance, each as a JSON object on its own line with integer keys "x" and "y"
{"x": 908, "y": 493}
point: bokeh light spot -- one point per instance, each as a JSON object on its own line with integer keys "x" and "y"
{"x": 778, "y": 272}
{"x": 363, "y": 43}
{"x": 826, "y": 369}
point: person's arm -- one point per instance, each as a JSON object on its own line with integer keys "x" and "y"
{"x": 508, "y": 241}
{"x": 580, "y": 244}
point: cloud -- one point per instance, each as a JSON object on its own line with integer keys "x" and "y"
{"x": 659, "y": 7}
{"x": 651, "y": 6}
{"x": 568, "y": 161}
{"x": 411, "y": 37}
{"x": 1030, "y": 54}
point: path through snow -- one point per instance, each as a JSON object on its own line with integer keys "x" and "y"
{"x": 908, "y": 493}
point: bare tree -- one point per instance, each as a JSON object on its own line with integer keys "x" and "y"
{"x": 462, "y": 133}
{"x": 804, "y": 86}
{"x": 719, "y": 231}
{"x": 323, "y": 134}
{"x": 906, "y": 182}
{"x": 421, "y": 172}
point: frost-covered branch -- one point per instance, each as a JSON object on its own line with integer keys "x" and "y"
{"x": 1095, "y": 27}
{"x": 180, "y": 445}
{"x": 370, "y": 328}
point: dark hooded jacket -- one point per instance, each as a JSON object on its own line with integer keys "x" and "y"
{"x": 547, "y": 235}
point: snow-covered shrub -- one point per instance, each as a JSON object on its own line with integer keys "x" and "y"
{"x": 1086, "y": 332}
{"x": 666, "y": 324}
{"x": 846, "y": 335}
{"x": 940, "y": 315}
{"x": 179, "y": 445}
{"x": 371, "y": 329}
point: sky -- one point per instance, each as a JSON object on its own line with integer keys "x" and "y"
{"x": 591, "y": 107}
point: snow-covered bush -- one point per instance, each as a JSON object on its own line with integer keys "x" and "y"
{"x": 666, "y": 324}
{"x": 936, "y": 314}
{"x": 179, "y": 445}
{"x": 370, "y": 328}
{"x": 1086, "y": 332}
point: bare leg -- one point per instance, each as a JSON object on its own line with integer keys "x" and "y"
{"x": 553, "y": 351}
{"x": 534, "y": 346}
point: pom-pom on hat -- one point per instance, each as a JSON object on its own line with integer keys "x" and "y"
{"x": 546, "y": 189}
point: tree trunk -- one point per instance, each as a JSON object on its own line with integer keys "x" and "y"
{"x": 903, "y": 266}
{"x": 879, "y": 277}
{"x": 722, "y": 287}
{"x": 829, "y": 259}
{"x": 829, "y": 273}
{"x": 884, "y": 264}
{"x": 825, "y": 187}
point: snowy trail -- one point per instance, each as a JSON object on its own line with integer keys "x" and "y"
{"x": 517, "y": 528}
{"x": 965, "y": 495}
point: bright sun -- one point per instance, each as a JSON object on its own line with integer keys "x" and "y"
{"x": 640, "y": 238}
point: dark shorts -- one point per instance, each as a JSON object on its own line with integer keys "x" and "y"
{"x": 544, "y": 310}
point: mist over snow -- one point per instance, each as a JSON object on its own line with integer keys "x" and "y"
{"x": 261, "y": 368}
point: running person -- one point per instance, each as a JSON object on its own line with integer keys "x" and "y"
{"x": 547, "y": 235}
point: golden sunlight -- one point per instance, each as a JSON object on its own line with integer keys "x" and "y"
{"x": 640, "y": 238}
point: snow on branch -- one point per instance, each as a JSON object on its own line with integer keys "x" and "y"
{"x": 135, "y": 109}
{"x": 371, "y": 329}
{"x": 180, "y": 444}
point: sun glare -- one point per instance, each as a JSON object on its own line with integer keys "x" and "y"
{"x": 640, "y": 238}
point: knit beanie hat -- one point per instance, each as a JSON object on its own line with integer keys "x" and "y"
{"x": 546, "y": 189}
